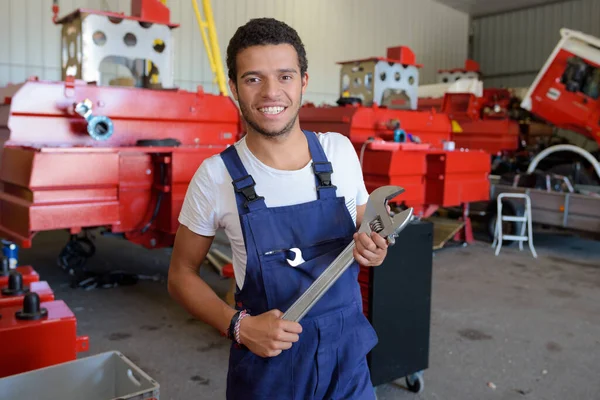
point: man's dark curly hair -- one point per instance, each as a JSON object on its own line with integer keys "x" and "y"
{"x": 264, "y": 31}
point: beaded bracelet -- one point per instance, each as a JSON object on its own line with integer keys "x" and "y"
{"x": 243, "y": 314}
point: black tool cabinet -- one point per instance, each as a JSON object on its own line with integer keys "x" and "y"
{"x": 397, "y": 302}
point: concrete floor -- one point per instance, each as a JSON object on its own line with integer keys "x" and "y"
{"x": 507, "y": 327}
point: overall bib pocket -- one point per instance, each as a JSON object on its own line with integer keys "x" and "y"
{"x": 284, "y": 283}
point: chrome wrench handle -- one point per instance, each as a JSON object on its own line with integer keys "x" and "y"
{"x": 318, "y": 288}
{"x": 332, "y": 273}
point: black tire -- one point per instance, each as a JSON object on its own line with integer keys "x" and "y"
{"x": 508, "y": 227}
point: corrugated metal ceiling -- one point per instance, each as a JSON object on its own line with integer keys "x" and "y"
{"x": 477, "y": 8}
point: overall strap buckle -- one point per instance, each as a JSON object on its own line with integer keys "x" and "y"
{"x": 323, "y": 171}
{"x": 245, "y": 186}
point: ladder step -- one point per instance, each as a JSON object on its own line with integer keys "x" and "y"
{"x": 515, "y": 237}
{"x": 514, "y": 218}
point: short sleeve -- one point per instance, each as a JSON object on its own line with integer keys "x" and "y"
{"x": 198, "y": 212}
{"x": 361, "y": 190}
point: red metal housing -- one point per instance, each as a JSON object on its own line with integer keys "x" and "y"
{"x": 432, "y": 177}
{"x": 456, "y": 177}
{"x": 41, "y": 288}
{"x": 33, "y": 344}
{"x": 27, "y": 272}
{"x": 566, "y": 91}
{"x": 482, "y": 123}
{"x": 145, "y": 11}
{"x": 361, "y": 123}
{"x": 397, "y": 144}
{"x": 56, "y": 176}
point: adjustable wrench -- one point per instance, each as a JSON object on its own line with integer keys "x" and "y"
{"x": 376, "y": 218}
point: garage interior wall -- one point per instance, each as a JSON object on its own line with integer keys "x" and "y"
{"x": 332, "y": 31}
{"x": 512, "y": 47}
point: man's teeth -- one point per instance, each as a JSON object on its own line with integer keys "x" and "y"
{"x": 272, "y": 110}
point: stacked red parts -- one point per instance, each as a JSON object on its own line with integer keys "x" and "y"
{"x": 27, "y": 272}
{"x": 133, "y": 182}
{"x": 361, "y": 123}
{"x": 398, "y": 144}
{"x": 566, "y": 91}
{"x": 36, "y": 330}
{"x": 478, "y": 123}
{"x": 38, "y": 334}
{"x": 484, "y": 121}
{"x": 13, "y": 294}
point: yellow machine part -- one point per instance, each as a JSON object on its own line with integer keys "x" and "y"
{"x": 211, "y": 43}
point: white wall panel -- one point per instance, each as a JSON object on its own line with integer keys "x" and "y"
{"x": 332, "y": 30}
{"x": 512, "y": 47}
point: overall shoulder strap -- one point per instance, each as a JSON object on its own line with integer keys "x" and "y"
{"x": 321, "y": 167}
{"x": 243, "y": 183}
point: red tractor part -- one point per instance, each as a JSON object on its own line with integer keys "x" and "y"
{"x": 360, "y": 123}
{"x": 14, "y": 293}
{"x": 396, "y": 144}
{"x": 57, "y": 176}
{"x": 102, "y": 151}
{"x": 483, "y": 122}
{"x": 27, "y": 272}
{"x": 432, "y": 177}
{"x": 566, "y": 91}
{"x": 37, "y": 335}
{"x": 480, "y": 117}
{"x": 470, "y": 70}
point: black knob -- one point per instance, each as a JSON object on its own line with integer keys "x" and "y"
{"x": 31, "y": 308}
{"x": 5, "y": 267}
{"x": 15, "y": 285}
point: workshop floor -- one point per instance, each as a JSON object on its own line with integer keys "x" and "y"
{"x": 507, "y": 327}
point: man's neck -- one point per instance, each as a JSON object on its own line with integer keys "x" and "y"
{"x": 287, "y": 152}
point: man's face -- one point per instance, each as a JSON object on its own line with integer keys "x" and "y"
{"x": 269, "y": 88}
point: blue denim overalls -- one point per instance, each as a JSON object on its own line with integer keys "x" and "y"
{"x": 329, "y": 360}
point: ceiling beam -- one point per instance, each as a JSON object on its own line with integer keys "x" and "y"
{"x": 517, "y": 9}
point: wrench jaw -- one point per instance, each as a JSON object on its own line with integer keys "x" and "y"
{"x": 400, "y": 221}
{"x": 377, "y": 217}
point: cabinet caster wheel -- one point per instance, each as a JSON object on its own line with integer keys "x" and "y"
{"x": 415, "y": 382}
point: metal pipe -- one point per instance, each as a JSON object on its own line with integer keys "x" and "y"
{"x": 211, "y": 43}
{"x": 564, "y": 147}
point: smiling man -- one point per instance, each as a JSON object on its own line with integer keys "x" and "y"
{"x": 289, "y": 201}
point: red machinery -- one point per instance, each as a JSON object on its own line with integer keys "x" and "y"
{"x": 38, "y": 334}
{"x": 566, "y": 91}
{"x": 471, "y": 70}
{"x": 484, "y": 121}
{"x": 379, "y": 98}
{"x": 81, "y": 154}
{"x": 480, "y": 116}
{"x": 14, "y": 293}
{"x": 28, "y": 274}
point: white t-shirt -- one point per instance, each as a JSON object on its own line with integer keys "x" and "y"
{"x": 210, "y": 202}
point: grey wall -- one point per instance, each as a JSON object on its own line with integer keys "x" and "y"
{"x": 512, "y": 47}
{"x": 333, "y": 30}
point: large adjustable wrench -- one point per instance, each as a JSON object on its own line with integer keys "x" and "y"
{"x": 376, "y": 218}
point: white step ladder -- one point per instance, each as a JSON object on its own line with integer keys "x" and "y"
{"x": 526, "y": 219}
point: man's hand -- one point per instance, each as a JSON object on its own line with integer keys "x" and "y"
{"x": 267, "y": 335}
{"x": 370, "y": 251}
